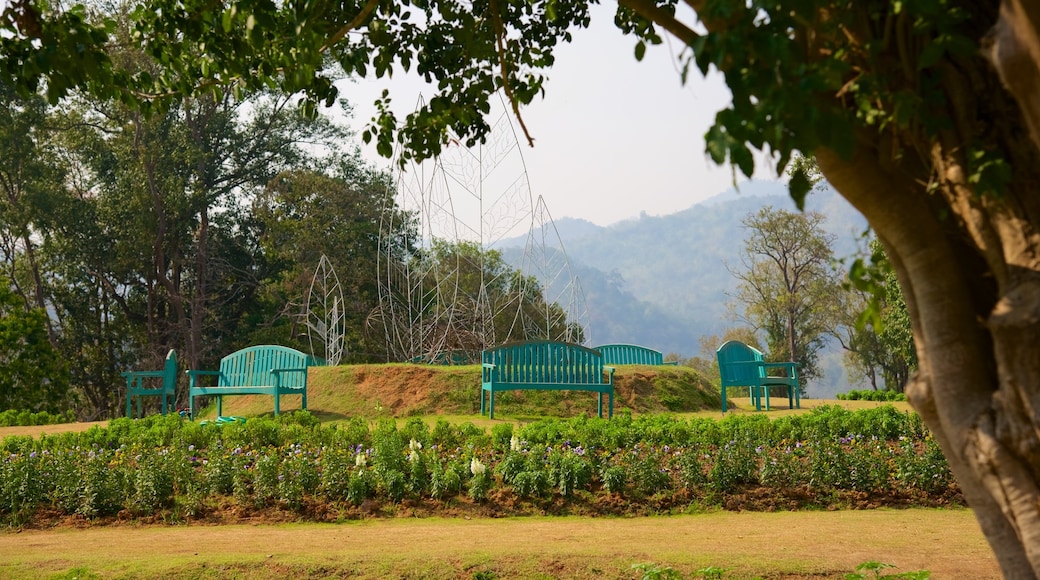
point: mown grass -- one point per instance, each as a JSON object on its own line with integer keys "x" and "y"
{"x": 748, "y": 545}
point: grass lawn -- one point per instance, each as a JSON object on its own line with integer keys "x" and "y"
{"x": 791, "y": 545}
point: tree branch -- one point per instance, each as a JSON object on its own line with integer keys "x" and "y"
{"x": 648, "y": 9}
{"x": 358, "y": 20}
{"x": 503, "y": 62}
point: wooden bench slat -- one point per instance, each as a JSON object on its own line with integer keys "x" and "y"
{"x": 631, "y": 354}
{"x": 544, "y": 365}
{"x": 741, "y": 365}
{"x": 256, "y": 370}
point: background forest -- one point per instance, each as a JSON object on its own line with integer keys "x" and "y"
{"x": 124, "y": 235}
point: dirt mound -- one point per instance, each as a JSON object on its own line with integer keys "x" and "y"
{"x": 404, "y": 390}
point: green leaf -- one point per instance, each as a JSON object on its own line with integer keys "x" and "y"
{"x": 799, "y": 187}
{"x": 640, "y": 50}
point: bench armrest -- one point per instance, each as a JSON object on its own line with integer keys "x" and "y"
{"x": 193, "y": 375}
{"x": 141, "y": 374}
{"x": 609, "y": 371}
{"x": 788, "y": 366}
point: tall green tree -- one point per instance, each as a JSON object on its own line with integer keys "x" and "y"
{"x": 304, "y": 215}
{"x": 874, "y": 324}
{"x": 32, "y": 375}
{"x": 924, "y": 115}
{"x": 788, "y": 286}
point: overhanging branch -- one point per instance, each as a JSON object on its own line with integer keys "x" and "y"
{"x": 648, "y": 9}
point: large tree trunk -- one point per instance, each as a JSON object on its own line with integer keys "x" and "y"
{"x": 958, "y": 387}
{"x": 965, "y": 245}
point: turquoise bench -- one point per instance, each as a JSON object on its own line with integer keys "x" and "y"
{"x": 742, "y": 366}
{"x": 631, "y": 354}
{"x": 137, "y": 386}
{"x": 257, "y": 370}
{"x": 447, "y": 358}
{"x": 544, "y": 366}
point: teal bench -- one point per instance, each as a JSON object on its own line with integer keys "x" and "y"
{"x": 742, "y": 366}
{"x": 256, "y": 370}
{"x": 544, "y": 366}
{"x": 447, "y": 358}
{"x": 137, "y": 386}
{"x": 631, "y": 354}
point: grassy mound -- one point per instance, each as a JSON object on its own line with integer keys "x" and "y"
{"x": 404, "y": 390}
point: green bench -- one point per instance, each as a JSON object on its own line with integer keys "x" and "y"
{"x": 742, "y": 366}
{"x": 631, "y": 354}
{"x": 137, "y": 386}
{"x": 447, "y": 358}
{"x": 256, "y": 370}
{"x": 544, "y": 366}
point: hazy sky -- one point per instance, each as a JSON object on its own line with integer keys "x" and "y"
{"x": 613, "y": 137}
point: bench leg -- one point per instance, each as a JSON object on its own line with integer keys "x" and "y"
{"x": 599, "y": 405}
{"x": 220, "y": 406}
{"x": 724, "y": 399}
{"x": 766, "y": 389}
{"x": 482, "y": 410}
{"x": 610, "y": 411}
{"x": 491, "y": 405}
{"x": 276, "y": 406}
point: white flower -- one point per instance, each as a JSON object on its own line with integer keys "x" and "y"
{"x": 514, "y": 443}
{"x": 476, "y": 467}
{"x": 360, "y": 460}
{"x": 414, "y": 445}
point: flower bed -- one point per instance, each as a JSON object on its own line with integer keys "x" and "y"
{"x": 168, "y": 469}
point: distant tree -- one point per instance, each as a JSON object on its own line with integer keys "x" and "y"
{"x": 788, "y": 285}
{"x": 32, "y": 375}
{"x": 875, "y": 324}
{"x": 305, "y": 214}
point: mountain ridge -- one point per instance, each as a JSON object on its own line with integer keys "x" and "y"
{"x": 664, "y": 281}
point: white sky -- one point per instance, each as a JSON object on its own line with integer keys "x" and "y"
{"x": 613, "y": 136}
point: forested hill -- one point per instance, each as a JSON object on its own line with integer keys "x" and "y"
{"x": 662, "y": 281}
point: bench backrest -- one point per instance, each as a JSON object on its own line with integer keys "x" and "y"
{"x": 170, "y": 371}
{"x": 734, "y": 351}
{"x": 545, "y": 362}
{"x": 251, "y": 367}
{"x": 446, "y": 358}
{"x": 630, "y": 354}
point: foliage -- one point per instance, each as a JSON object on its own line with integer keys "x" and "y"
{"x": 872, "y": 395}
{"x": 874, "y": 568}
{"x": 881, "y": 339}
{"x": 32, "y": 375}
{"x": 171, "y": 467}
{"x": 15, "y": 418}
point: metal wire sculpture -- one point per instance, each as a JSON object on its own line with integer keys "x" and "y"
{"x": 445, "y": 291}
{"x": 325, "y": 315}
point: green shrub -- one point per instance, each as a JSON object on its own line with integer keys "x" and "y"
{"x": 176, "y": 468}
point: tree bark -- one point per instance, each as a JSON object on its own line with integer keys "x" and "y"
{"x": 954, "y": 389}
